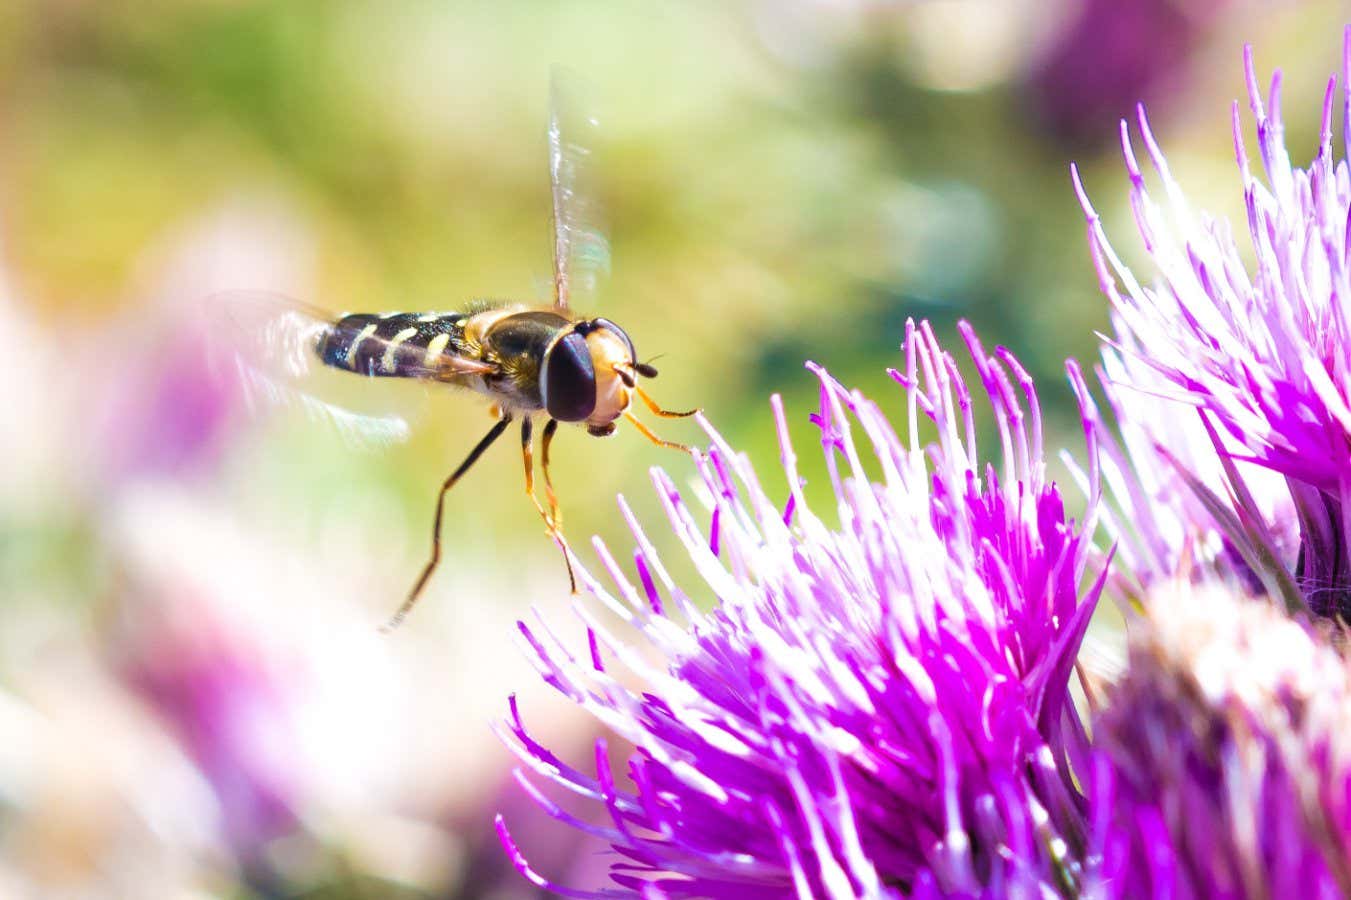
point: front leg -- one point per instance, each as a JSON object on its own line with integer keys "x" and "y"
{"x": 550, "y": 516}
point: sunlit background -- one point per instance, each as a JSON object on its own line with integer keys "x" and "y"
{"x": 194, "y": 696}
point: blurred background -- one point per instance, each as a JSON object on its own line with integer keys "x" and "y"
{"x": 194, "y": 697}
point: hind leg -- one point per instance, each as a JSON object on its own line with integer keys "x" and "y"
{"x": 493, "y": 434}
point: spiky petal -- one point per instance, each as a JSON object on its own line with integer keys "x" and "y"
{"x": 1222, "y": 766}
{"x": 1264, "y": 355}
{"x": 870, "y": 709}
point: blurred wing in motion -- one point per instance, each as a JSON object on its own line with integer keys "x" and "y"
{"x": 581, "y": 252}
{"x": 269, "y": 345}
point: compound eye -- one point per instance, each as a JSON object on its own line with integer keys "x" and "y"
{"x": 568, "y": 379}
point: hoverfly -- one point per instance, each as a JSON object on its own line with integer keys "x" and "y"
{"x": 530, "y": 361}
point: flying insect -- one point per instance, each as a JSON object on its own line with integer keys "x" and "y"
{"x": 530, "y": 361}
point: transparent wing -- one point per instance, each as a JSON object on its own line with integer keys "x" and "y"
{"x": 581, "y": 251}
{"x": 266, "y": 345}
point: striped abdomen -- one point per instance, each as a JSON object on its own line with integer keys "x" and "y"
{"x": 400, "y": 345}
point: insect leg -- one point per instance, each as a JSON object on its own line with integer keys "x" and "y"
{"x": 549, "y": 431}
{"x": 493, "y": 434}
{"x": 664, "y": 413}
{"x": 528, "y": 454}
{"x": 550, "y": 517}
{"x": 647, "y": 433}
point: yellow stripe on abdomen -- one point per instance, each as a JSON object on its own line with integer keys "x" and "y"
{"x": 387, "y": 362}
{"x": 434, "y": 349}
{"x": 350, "y": 359}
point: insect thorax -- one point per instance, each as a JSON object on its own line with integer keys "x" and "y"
{"x": 517, "y": 343}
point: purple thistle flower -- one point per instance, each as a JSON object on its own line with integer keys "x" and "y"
{"x": 1162, "y": 479}
{"x": 871, "y": 710}
{"x": 1221, "y": 767}
{"x": 230, "y": 707}
{"x": 1111, "y": 55}
{"x": 170, "y": 415}
{"x": 1264, "y": 356}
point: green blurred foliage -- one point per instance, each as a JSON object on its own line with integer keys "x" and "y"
{"x": 761, "y": 212}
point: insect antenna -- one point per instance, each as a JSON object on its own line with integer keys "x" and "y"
{"x": 646, "y": 369}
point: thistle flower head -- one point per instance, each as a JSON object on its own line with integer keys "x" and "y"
{"x": 1222, "y": 766}
{"x": 229, "y": 709}
{"x": 870, "y": 709}
{"x": 1109, "y": 54}
{"x": 1164, "y": 480}
{"x": 1262, "y": 356}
